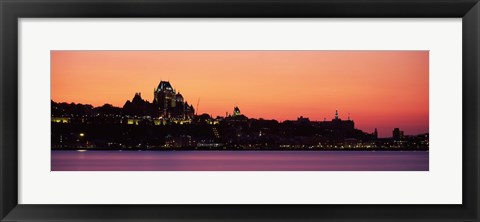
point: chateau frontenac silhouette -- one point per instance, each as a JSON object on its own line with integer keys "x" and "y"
{"x": 167, "y": 103}
{"x": 170, "y": 103}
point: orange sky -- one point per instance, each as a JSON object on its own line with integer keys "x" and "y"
{"x": 380, "y": 89}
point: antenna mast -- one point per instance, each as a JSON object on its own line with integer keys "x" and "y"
{"x": 198, "y": 104}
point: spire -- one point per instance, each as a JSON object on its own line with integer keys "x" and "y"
{"x": 336, "y": 114}
{"x": 348, "y": 116}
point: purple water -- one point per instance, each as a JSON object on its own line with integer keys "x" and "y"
{"x": 239, "y": 161}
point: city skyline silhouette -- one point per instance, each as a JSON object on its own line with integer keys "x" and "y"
{"x": 378, "y": 89}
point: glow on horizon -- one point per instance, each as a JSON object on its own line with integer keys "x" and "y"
{"x": 380, "y": 89}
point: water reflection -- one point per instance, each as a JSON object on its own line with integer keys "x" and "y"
{"x": 240, "y": 161}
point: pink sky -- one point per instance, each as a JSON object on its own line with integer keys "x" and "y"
{"x": 380, "y": 89}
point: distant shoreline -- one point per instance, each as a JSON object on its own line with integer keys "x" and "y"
{"x": 237, "y": 150}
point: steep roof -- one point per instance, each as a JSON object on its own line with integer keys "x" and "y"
{"x": 137, "y": 98}
{"x": 164, "y": 85}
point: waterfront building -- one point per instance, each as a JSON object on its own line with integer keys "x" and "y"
{"x": 397, "y": 134}
{"x": 338, "y": 124}
{"x": 61, "y": 119}
{"x": 170, "y": 103}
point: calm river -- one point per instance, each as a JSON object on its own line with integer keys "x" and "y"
{"x": 239, "y": 160}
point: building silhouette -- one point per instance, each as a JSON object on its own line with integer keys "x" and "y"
{"x": 170, "y": 103}
{"x": 236, "y": 111}
{"x": 338, "y": 124}
{"x": 138, "y": 107}
{"x": 397, "y": 134}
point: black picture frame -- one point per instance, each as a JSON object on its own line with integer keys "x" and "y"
{"x": 12, "y": 10}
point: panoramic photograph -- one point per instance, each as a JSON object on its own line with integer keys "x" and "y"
{"x": 240, "y": 110}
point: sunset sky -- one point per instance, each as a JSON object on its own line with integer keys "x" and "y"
{"x": 380, "y": 89}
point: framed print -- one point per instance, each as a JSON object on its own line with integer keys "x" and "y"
{"x": 279, "y": 110}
